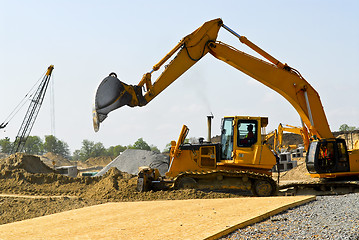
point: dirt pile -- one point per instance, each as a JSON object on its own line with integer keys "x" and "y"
{"x": 112, "y": 186}
{"x": 51, "y": 159}
{"x": 296, "y": 174}
{"x": 289, "y": 139}
{"x": 95, "y": 162}
{"x": 29, "y": 163}
{"x": 16, "y": 177}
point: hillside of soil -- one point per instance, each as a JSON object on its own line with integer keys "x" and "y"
{"x": 52, "y": 159}
{"x": 23, "y": 174}
{"x": 95, "y": 162}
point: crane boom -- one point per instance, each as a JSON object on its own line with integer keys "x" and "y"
{"x": 32, "y": 112}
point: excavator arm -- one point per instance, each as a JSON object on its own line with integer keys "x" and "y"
{"x": 288, "y": 82}
{"x": 112, "y": 93}
{"x": 296, "y": 130}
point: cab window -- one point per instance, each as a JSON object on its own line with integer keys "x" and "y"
{"x": 247, "y": 133}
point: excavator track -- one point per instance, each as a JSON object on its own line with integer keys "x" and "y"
{"x": 319, "y": 188}
{"x": 259, "y": 184}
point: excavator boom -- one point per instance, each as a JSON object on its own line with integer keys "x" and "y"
{"x": 288, "y": 82}
{"x": 112, "y": 93}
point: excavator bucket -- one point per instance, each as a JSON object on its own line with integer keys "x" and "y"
{"x": 110, "y": 95}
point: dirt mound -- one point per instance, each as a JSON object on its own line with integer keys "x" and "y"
{"x": 288, "y": 139}
{"x": 50, "y": 158}
{"x": 114, "y": 184}
{"x": 17, "y": 177}
{"x": 29, "y": 163}
{"x": 298, "y": 173}
{"x": 95, "y": 161}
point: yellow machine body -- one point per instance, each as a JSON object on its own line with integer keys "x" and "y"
{"x": 285, "y": 80}
{"x": 233, "y": 153}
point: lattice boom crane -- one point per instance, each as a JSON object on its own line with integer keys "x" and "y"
{"x": 32, "y": 112}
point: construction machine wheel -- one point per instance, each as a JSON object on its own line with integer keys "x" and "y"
{"x": 186, "y": 183}
{"x": 262, "y": 188}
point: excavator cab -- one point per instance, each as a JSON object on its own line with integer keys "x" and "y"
{"x": 327, "y": 156}
{"x": 242, "y": 145}
{"x": 246, "y": 134}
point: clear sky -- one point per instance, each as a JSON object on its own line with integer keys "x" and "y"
{"x": 86, "y": 40}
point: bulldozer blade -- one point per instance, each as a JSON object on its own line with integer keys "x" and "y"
{"x": 110, "y": 95}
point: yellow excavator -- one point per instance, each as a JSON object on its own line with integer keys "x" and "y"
{"x": 277, "y": 136}
{"x": 302, "y": 131}
{"x": 236, "y": 162}
{"x": 273, "y": 134}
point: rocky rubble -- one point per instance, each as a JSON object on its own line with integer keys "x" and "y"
{"x": 330, "y": 217}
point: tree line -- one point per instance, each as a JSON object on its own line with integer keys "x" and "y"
{"x": 35, "y": 145}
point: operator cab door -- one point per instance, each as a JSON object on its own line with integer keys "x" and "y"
{"x": 328, "y": 157}
{"x": 227, "y": 138}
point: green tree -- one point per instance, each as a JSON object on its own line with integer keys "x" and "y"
{"x": 155, "y": 149}
{"x": 98, "y": 150}
{"x": 54, "y": 145}
{"x": 6, "y": 145}
{"x": 140, "y": 144}
{"x": 89, "y": 149}
{"x": 346, "y": 128}
{"x": 50, "y": 144}
{"x": 76, "y": 155}
{"x": 34, "y": 145}
{"x": 114, "y": 151}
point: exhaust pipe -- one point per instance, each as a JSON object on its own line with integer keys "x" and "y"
{"x": 209, "y": 125}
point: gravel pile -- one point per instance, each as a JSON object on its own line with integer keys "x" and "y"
{"x": 131, "y": 159}
{"x": 330, "y": 217}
